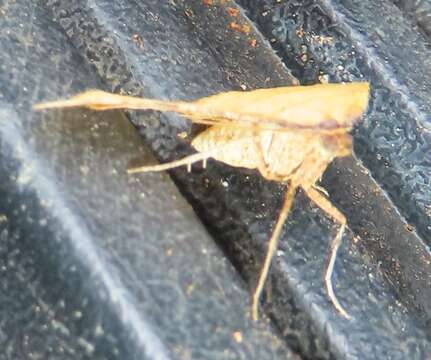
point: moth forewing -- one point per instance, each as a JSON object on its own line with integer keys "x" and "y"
{"x": 322, "y": 106}
{"x": 289, "y": 134}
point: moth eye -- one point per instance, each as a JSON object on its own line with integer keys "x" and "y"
{"x": 338, "y": 144}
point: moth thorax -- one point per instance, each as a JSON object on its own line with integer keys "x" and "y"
{"x": 339, "y": 145}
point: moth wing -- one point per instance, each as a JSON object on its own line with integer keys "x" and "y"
{"x": 101, "y": 100}
{"x": 322, "y": 106}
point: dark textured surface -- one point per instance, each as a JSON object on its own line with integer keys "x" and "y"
{"x": 394, "y": 140}
{"x": 419, "y": 12}
{"x": 130, "y": 252}
{"x": 97, "y": 264}
{"x": 337, "y": 41}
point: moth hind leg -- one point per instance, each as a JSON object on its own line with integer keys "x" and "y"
{"x": 320, "y": 200}
{"x": 272, "y": 247}
{"x": 187, "y": 161}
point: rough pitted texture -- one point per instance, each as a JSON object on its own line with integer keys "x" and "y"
{"x": 345, "y": 41}
{"x": 164, "y": 266}
{"x": 235, "y": 214}
{"x": 91, "y": 269}
{"x": 419, "y": 11}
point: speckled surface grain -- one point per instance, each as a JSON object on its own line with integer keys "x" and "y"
{"x": 126, "y": 269}
{"x": 342, "y": 41}
{"x": 418, "y": 11}
{"x": 97, "y": 264}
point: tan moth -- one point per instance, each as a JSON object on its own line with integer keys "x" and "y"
{"x": 289, "y": 134}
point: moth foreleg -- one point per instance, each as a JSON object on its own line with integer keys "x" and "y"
{"x": 263, "y": 166}
{"x": 321, "y": 201}
{"x": 268, "y": 174}
{"x": 187, "y": 161}
{"x": 272, "y": 247}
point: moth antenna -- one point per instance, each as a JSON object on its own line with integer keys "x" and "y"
{"x": 320, "y": 200}
{"x": 188, "y": 161}
{"x": 272, "y": 247}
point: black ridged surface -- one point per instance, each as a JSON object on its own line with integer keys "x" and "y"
{"x": 419, "y": 11}
{"x": 97, "y": 264}
{"x": 87, "y": 247}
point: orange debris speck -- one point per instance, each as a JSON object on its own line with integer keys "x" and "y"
{"x": 300, "y": 32}
{"x": 245, "y": 29}
{"x": 409, "y": 227}
{"x": 232, "y": 11}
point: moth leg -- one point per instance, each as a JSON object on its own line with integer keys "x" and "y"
{"x": 272, "y": 247}
{"x": 266, "y": 172}
{"x": 320, "y": 189}
{"x": 321, "y": 201}
{"x": 263, "y": 166}
{"x": 188, "y": 161}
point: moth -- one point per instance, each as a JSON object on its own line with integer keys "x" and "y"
{"x": 289, "y": 134}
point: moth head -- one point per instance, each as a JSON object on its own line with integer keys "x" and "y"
{"x": 339, "y": 144}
